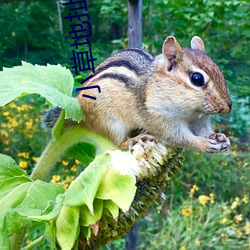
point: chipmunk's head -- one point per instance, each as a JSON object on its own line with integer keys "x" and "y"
{"x": 197, "y": 75}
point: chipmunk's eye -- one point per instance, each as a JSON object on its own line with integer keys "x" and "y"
{"x": 197, "y": 79}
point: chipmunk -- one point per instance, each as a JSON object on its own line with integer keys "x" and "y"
{"x": 170, "y": 96}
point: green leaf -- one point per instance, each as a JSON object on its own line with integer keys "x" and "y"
{"x": 83, "y": 189}
{"x": 83, "y": 152}
{"x": 6, "y": 186}
{"x": 53, "y": 82}
{"x": 58, "y": 127}
{"x": 9, "y": 168}
{"x": 86, "y": 218}
{"x": 112, "y": 208}
{"x": 39, "y": 194}
{"x": 118, "y": 188}
{"x": 67, "y": 226}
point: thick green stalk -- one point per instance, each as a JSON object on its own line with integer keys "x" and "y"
{"x": 57, "y": 147}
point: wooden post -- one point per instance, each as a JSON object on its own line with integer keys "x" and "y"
{"x": 134, "y": 23}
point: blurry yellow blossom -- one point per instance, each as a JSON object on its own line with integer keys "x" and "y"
{"x": 197, "y": 152}
{"x": 203, "y": 199}
{"x": 223, "y": 235}
{"x": 193, "y": 190}
{"x": 55, "y": 178}
{"x": 6, "y": 141}
{"x": 65, "y": 163}
{"x": 6, "y": 113}
{"x": 238, "y": 233}
{"x": 77, "y": 162}
{"x": 29, "y": 124}
{"x": 65, "y": 185}
{"x": 211, "y": 195}
{"x": 23, "y": 164}
{"x": 225, "y": 164}
{"x": 4, "y": 133}
{"x": 70, "y": 178}
{"x": 187, "y": 211}
{"x": 245, "y": 199}
{"x": 35, "y": 159}
{"x": 12, "y": 105}
{"x": 238, "y": 218}
{"x": 223, "y": 220}
{"x": 182, "y": 248}
{"x": 247, "y": 227}
{"x": 4, "y": 125}
{"x": 73, "y": 168}
{"x": 14, "y": 123}
{"x": 234, "y": 152}
{"x": 235, "y": 203}
{"x": 197, "y": 242}
{"x": 24, "y": 154}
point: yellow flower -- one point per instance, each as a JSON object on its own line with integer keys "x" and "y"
{"x": 234, "y": 152}
{"x": 77, "y": 162}
{"x": 193, "y": 190}
{"x": 29, "y": 124}
{"x": 197, "y": 242}
{"x": 235, "y": 203}
{"x": 223, "y": 235}
{"x": 245, "y": 199}
{"x": 6, "y": 113}
{"x": 55, "y": 178}
{"x": 187, "y": 211}
{"x": 247, "y": 227}
{"x": 23, "y": 164}
{"x": 4, "y": 134}
{"x": 211, "y": 195}
{"x": 12, "y": 105}
{"x": 24, "y": 154}
{"x": 73, "y": 168}
{"x": 65, "y": 185}
{"x": 14, "y": 123}
{"x": 203, "y": 199}
{"x": 70, "y": 178}
{"x": 182, "y": 248}
{"x": 238, "y": 233}
{"x": 224, "y": 164}
{"x": 238, "y": 218}
{"x": 35, "y": 159}
{"x": 65, "y": 163}
{"x": 223, "y": 221}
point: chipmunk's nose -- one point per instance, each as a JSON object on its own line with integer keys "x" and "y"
{"x": 227, "y": 108}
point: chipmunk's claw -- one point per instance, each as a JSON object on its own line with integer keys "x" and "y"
{"x": 218, "y": 142}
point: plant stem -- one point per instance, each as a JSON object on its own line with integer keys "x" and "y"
{"x": 57, "y": 147}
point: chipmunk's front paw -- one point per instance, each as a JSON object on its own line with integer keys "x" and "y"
{"x": 218, "y": 142}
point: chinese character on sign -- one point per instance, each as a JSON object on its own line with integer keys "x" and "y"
{"x": 82, "y": 60}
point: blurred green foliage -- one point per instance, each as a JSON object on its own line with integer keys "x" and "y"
{"x": 30, "y": 32}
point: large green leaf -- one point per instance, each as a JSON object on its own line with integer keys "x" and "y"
{"x": 21, "y": 197}
{"x": 83, "y": 189}
{"x": 67, "y": 226}
{"x": 118, "y": 188}
{"x": 53, "y": 82}
{"x": 83, "y": 152}
{"x": 9, "y": 168}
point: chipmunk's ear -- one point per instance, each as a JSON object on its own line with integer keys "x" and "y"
{"x": 172, "y": 50}
{"x": 197, "y": 43}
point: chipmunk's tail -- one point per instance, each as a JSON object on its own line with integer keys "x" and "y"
{"x": 50, "y": 118}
